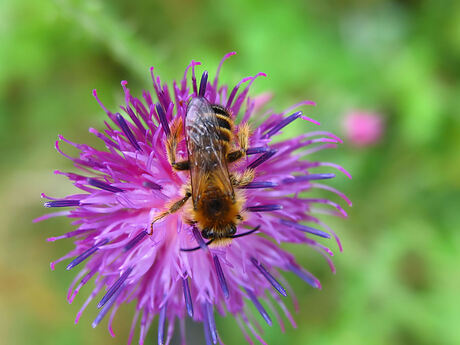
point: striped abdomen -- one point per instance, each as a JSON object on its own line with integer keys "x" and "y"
{"x": 225, "y": 126}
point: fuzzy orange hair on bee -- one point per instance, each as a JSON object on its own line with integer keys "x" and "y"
{"x": 217, "y": 204}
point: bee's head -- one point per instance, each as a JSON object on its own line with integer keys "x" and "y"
{"x": 225, "y": 232}
{"x": 207, "y": 233}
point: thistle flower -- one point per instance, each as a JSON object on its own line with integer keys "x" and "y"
{"x": 172, "y": 273}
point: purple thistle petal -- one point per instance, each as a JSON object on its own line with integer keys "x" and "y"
{"x": 308, "y": 177}
{"x": 134, "y": 118}
{"x": 269, "y": 277}
{"x": 107, "y": 306}
{"x": 107, "y": 141}
{"x": 105, "y": 186}
{"x": 69, "y": 234}
{"x": 255, "y": 150}
{"x": 187, "y": 297}
{"x": 226, "y": 56}
{"x": 195, "y": 89}
{"x": 199, "y": 239}
{"x": 280, "y": 125}
{"x": 305, "y": 276}
{"x": 207, "y": 331}
{"x": 151, "y": 185}
{"x": 114, "y": 287}
{"x": 62, "y": 203}
{"x": 135, "y": 240}
{"x": 259, "y": 306}
{"x": 264, "y": 208}
{"x": 163, "y": 119}
{"x": 161, "y": 325}
{"x": 305, "y": 228}
{"x": 203, "y": 82}
{"x": 330, "y": 203}
{"x": 261, "y": 159}
{"x": 211, "y": 321}
{"x": 83, "y": 256}
{"x": 221, "y": 277}
{"x": 235, "y": 90}
{"x": 260, "y": 184}
{"x": 333, "y": 190}
{"x": 125, "y": 128}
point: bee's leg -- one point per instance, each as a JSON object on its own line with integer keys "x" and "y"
{"x": 171, "y": 146}
{"x": 243, "y": 141}
{"x": 174, "y": 207}
{"x": 240, "y": 180}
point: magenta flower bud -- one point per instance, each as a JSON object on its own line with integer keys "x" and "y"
{"x": 363, "y": 128}
{"x": 169, "y": 266}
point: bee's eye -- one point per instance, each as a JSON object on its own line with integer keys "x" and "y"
{"x": 232, "y": 229}
{"x": 207, "y": 233}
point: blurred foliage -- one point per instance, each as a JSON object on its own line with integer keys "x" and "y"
{"x": 397, "y": 280}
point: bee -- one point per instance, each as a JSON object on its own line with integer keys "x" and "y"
{"x": 217, "y": 204}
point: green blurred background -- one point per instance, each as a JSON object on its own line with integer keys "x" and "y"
{"x": 397, "y": 280}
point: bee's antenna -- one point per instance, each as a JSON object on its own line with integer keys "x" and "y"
{"x": 245, "y": 233}
{"x": 210, "y": 241}
{"x": 196, "y": 248}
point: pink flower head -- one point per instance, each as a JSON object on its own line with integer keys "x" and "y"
{"x": 172, "y": 272}
{"x": 363, "y": 128}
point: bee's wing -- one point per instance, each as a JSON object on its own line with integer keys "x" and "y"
{"x": 206, "y": 157}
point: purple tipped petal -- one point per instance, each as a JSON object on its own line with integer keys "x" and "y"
{"x": 62, "y": 203}
{"x": 151, "y": 185}
{"x": 309, "y": 177}
{"x": 305, "y": 228}
{"x": 330, "y": 203}
{"x": 102, "y": 185}
{"x": 221, "y": 277}
{"x": 135, "y": 240}
{"x": 163, "y": 119}
{"x": 305, "y": 276}
{"x": 195, "y": 89}
{"x": 260, "y": 184}
{"x": 125, "y": 128}
{"x": 235, "y": 90}
{"x": 199, "y": 239}
{"x": 259, "y": 306}
{"x": 216, "y": 78}
{"x": 107, "y": 307}
{"x": 280, "y": 125}
{"x": 264, "y": 208}
{"x": 69, "y": 234}
{"x": 207, "y": 331}
{"x": 255, "y": 150}
{"x": 261, "y": 159}
{"x": 114, "y": 287}
{"x": 83, "y": 256}
{"x": 269, "y": 277}
{"x": 203, "y": 82}
{"x": 187, "y": 297}
{"x": 211, "y": 322}
{"x": 161, "y": 325}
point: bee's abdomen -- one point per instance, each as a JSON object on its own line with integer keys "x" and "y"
{"x": 220, "y": 110}
{"x": 224, "y": 122}
{"x": 225, "y": 128}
